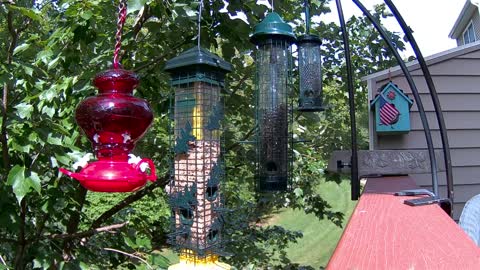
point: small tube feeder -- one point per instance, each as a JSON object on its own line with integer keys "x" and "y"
{"x": 310, "y": 74}
{"x": 197, "y": 77}
{"x": 310, "y": 69}
{"x": 273, "y": 38}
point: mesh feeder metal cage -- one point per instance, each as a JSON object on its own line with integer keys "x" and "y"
{"x": 273, "y": 38}
{"x": 310, "y": 73}
{"x": 197, "y": 77}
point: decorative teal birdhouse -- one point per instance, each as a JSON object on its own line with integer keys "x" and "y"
{"x": 392, "y": 110}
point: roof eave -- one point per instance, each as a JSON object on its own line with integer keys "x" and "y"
{"x": 431, "y": 60}
{"x": 463, "y": 18}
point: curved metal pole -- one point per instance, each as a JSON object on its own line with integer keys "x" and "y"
{"x": 433, "y": 94}
{"x": 355, "y": 181}
{"x": 408, "y": 76}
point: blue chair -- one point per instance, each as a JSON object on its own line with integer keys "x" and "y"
{"x": 470, "y": 219}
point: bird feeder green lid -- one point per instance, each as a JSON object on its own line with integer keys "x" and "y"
{"x": 272, "y": 25}
{"x": 197, "y": 56}
{"x": 197, "y": 64}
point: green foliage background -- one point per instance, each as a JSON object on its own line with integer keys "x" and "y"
{"x": 50, "y": 51}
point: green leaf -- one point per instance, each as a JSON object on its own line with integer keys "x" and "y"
{"x": 52, "y": 64}
{"x": 62, "y": 158}
{"x": 49, "y": 94}
{"x": 21, "y": 48}
{"x": 24, "y": 110}
{"x": 45, "y": 55}
{"x": 54, "y": 140}
{"x": 86, "y": 14}
{"x": 17, "y": 173}
{"x": 298, "y": 192}
{"x": 129, "y": 242}
{"x": 35, "y": 182}
{"x": 143, "y": 242}
{"x": 31, "y": 13}
{"x": 135, "y": 5}
{"x": 16, "y": 179}
{"x": 50, "y": 111}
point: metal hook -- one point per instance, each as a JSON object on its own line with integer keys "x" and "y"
{"x": 307, "y": 16}
{"x": 199, "y": 23}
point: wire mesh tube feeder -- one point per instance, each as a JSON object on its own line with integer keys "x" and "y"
{"x": 197, "y": 77}
{"x": 273, "y": 38}
{"x": 310, "y": 69}
{"x": 114, "y": 120}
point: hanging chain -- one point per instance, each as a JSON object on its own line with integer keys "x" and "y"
{"x": 122, "y": 16}
{"x": 271, "y": 3}
{"x": 199, "y": 23}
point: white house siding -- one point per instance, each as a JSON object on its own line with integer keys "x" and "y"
{"x": 457, "y": 80}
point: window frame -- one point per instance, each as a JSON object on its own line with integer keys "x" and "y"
{"x": 471, "y": 39}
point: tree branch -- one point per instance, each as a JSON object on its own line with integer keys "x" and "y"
{"x": 3, "y": 132}
{"x": 2, "y": 240}
{"x": 161, "y": 57}
{"x": 142, "y": 17}
{"x": 130, "y": 255}
{"x": 162, "y": 182}
{"x": 240, "y": 83}
{"x": 69, "y": 236}
{"x": 21, "y": 243}
{"x": 245, "y": 137}
{"x": 72, "y": 225}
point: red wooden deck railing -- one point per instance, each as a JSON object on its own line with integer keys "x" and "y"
{"x": 384, "y": 233}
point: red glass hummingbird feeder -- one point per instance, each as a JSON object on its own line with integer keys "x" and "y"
{"x": 114, "y": 120}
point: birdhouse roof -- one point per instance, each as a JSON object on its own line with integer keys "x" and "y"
{"x": 387, "y": 87}
{"x": 197, "y": 56}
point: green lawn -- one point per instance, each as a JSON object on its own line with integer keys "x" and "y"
{"x": 319, "y": 237}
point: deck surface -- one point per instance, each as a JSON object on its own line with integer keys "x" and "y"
{"x": 385, "y": 233}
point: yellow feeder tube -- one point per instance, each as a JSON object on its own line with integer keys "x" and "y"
{"x": 197, "y": 122}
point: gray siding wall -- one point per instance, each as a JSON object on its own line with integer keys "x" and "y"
{"x": 457, "y": 81}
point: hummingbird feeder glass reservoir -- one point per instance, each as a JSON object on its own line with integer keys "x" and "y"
{"x": 114, "y": 120}
{"x": 197, "y": 77}
{"x": 273, "y": 38}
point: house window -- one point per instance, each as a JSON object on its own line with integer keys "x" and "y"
{"x": 469, "y": 34}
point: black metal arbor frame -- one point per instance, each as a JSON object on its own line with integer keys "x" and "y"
{"x": 355, "y": 181}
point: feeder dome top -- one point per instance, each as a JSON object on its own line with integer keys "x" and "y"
{"x": 197, "y": 56}
{"x": 273, "y": 24}
{"x": 309, "y": 39}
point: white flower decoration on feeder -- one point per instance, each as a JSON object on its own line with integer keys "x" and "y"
{"x": 134, "y": 160}
{"x": 126, "y": 138}
{"x": 83, "y": 161}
